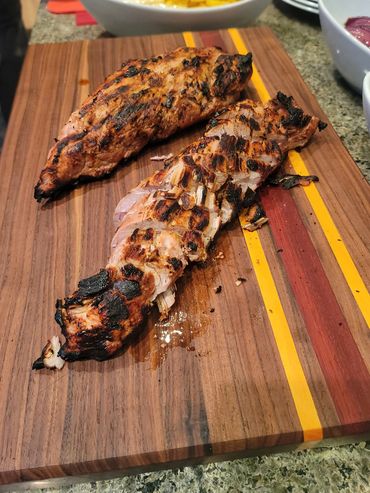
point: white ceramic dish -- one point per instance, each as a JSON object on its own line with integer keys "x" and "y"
{"x": 366, "y": 99}
{"x": 350, "y": 56}
{"x": 122, "y": 18}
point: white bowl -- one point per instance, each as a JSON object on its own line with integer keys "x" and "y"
{"x": 350, "y": 56}
{"x": 366, "y": 99}
{"x": 123, "y": 18}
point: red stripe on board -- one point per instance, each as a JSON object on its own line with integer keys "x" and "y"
{"x": 212, "y": 38}
{"x": 343, "y": 367}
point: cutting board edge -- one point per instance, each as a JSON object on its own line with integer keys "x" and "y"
{"x": 22, "y": 479}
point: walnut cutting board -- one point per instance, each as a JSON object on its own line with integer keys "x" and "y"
{"x": 281, "y": 360}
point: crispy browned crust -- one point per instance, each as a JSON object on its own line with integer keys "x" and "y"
{"x": 144, "y": 101}
{"x": 186, "y": 203}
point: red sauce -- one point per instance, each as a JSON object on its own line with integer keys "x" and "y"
{"x": 359, "y": 27}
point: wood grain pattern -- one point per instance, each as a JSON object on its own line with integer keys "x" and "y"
{"x": 211, "y": 381}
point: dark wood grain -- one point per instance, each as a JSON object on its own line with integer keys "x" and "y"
{"x": 209, "y": 382}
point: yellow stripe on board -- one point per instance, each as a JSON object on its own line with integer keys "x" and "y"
{"x": 256, "y": 78}
{"x": 339, "y": 249}
{"x": 302, "y": 398}
{"x": 189, "y": 39}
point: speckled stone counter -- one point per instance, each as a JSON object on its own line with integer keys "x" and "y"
{"x": 341, "y": 468}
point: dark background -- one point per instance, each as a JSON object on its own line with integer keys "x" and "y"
{"x": 13, "y": 43}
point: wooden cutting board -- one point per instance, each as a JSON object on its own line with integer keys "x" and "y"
{"x": 281, "y": 360}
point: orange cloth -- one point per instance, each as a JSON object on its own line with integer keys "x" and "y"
{"x": 65, "y": 6}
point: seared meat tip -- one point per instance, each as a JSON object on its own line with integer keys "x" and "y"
{"x": 170, "y": 219}
{"x": 144, "y": 101}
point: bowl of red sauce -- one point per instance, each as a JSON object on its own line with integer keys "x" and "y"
{"x": 359, "y": 27}
{"x": 346, "y": 28}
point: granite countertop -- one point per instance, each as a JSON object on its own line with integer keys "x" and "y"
{"x": 342, "y": 468}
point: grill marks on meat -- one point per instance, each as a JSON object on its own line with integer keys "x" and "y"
{"x": 145, "y": 101}
{"x": 170, "y": 219}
